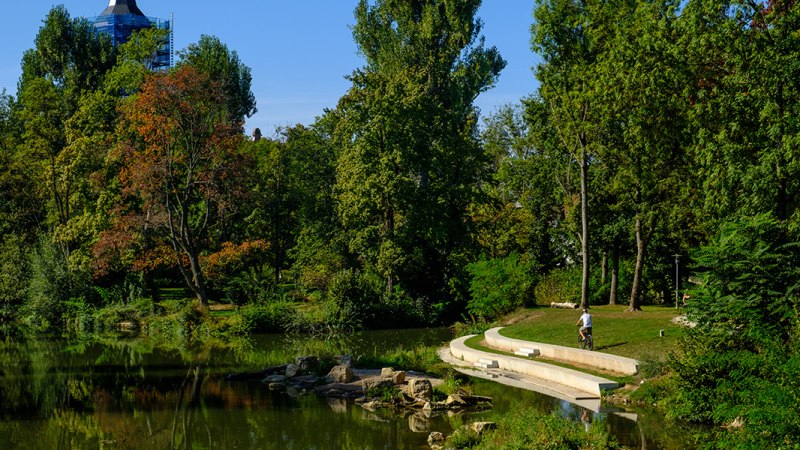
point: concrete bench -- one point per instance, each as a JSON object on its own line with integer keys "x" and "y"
{"x": 549, "y": 373}
{"x": 603, "y": 361}
{"x": 527, "y": 352}
{"x": 486, "y": 363}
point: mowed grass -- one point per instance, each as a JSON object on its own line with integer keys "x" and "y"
{"x": 615, "y": 331}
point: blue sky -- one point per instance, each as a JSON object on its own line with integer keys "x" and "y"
{"x": 299, "y": 51}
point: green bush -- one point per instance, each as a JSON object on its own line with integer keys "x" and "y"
{"x": 14, "y": 272}
{"x": 350, "y": 299}
{"x": 248, "y": 286}
{"x": 560, "y": 285}
{"x": 498, "y": 286}
{"x": 272, "y": 317}
{"x": 52, "y": 286}
{"x": 740, "y": 363}
{"x": 109, "y": 318}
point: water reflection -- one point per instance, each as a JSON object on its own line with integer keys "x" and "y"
{"x": 103, "y": 392}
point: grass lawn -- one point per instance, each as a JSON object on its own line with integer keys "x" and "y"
{"x": 635, "y": 335}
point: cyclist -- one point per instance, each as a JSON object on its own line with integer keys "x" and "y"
{"x": 586, "y": 318}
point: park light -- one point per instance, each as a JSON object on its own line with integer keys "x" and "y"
{"x": 677, "y": 279}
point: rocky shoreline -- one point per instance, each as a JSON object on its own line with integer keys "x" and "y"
{"x": 406, "y": 393}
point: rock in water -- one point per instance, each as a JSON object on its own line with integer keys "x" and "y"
{"x": 291, "y": 371}
{"x": 340, "y": 374}
{"x": 435, "y": 438}
{"x": 306, "y": 363}
{"x": 372, "y": 384}
{"x": 420, "y": 389}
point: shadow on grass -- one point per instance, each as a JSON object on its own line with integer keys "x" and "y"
{"x": 603, "y": 347}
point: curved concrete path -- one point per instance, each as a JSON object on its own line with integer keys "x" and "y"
{"x": 577, "y": 385}
{"x": 526, "y": 382}
{"x": 602, "y": 361}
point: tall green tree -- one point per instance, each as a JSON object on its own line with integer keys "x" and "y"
{"x": 410, "y": 158}
{"x": 562, "y": 34}
{"x": 745, "y": 99}
{"x": 211, "y": 56}
{"x": 642, "y": 82}
{"x": 68, "y": 63}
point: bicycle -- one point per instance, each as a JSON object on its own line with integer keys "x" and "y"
{"x": 588, "y": 341}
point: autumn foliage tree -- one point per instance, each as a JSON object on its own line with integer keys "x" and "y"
{"x": 181, "y": 164}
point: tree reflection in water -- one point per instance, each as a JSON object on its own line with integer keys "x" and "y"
{"x": 104, "y": 392}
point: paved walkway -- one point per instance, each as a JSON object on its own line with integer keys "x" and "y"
{"x": 572, "y": 355}
{"x": 527, "y": 382}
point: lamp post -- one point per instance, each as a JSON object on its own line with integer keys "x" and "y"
{"x": 677, "y": 280}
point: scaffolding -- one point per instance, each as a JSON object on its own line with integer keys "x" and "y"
{"x": 121, "y": 26}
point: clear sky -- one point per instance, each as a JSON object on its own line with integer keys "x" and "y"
{"x": 299, "y": 51}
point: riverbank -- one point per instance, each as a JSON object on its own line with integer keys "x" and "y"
{"x": 648, "y": 336}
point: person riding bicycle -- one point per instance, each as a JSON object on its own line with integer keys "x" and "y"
{"x": 586, "y": 318}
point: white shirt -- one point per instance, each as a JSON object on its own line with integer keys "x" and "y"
{"x": 587, "y": 320}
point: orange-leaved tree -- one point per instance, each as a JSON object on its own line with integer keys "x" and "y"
{"x": 181, "y": 165}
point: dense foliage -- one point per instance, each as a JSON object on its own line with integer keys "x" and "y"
{"x": 658, "y": 128}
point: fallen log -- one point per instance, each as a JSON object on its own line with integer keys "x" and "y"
{"x": 565, "y": 305}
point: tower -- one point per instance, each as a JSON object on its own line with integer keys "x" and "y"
{"x": 122, "y": 17}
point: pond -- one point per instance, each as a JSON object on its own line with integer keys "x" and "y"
{"x": 134, "y": 393}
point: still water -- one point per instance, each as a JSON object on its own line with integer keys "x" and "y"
{"x": 136, "y": 394}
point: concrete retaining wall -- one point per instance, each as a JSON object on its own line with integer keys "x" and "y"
{"x": 547, "y": 372}
{"x": 603, "y": 361}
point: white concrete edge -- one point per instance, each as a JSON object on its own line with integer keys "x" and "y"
{"x": 547, "y": 372}
{"x": 603, "y": 361}
{"x": 592, "y": 404}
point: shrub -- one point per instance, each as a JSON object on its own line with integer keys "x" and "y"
{"x": 13, "y": 271}
{"x": 740, "y": 362}
{"x": 272, "y": 317}
{"x": 350, "y": 299}
{"x": 52, "y": 285}
{"x": 560, "y": 285}
{"x": 498, "y": 286}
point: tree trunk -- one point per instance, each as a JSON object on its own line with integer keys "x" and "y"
{"x": 584, "y": 228}
{"x": 604, "y": 268}
{"x": 198, "y": 281}
{"x": 612, "y": 297}
{"x": 637, "y": 273}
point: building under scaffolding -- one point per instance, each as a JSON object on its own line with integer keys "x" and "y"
{"x": 122, "y": 17}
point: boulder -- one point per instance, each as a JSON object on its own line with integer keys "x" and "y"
{"x": 434, "y": 406}
{"x": 306, "y": 363}
{"x": 340, "y": 374}
{"x": 291, "y": 371}
{"x": 372, "y": 384}
{"x": 435, "y": 438}
{"x": 275, "y": 379}
{"x": 398, "y": 377}
{"x": 420, "y": 388}
{"x": 480, "y": 427}
{"x": 456, "y": 401}
{"x": 277, "y": 386}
